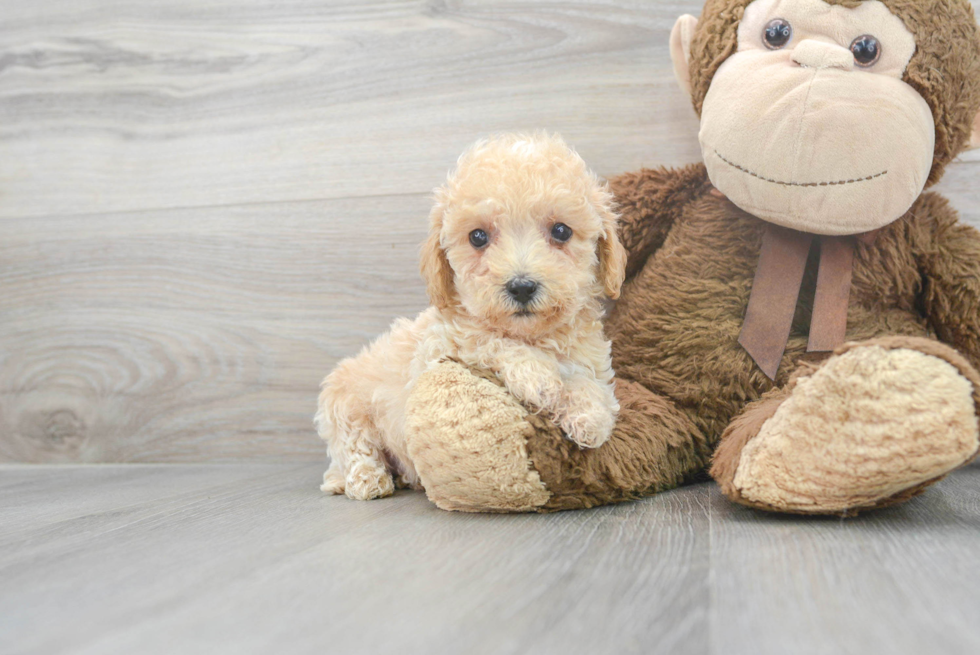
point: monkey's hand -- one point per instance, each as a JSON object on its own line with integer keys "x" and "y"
{"x": 950, "y": 265}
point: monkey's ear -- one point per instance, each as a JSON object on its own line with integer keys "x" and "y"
{"x": 975, "y": 137}
{"x": 434, "y": 265}
{"x": 680, "y": 49}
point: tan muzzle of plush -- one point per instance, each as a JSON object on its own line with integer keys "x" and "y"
{"x": 803, "y": 136}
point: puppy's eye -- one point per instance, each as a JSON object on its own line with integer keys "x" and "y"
{"x": 479, "y": 238}
{"x": 561, "y": 232}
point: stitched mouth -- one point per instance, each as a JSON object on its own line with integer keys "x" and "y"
{"x": 800, "y": 184}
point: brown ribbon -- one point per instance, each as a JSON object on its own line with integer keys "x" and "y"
{"x": 828, "y": 324}
{"x": 776, "y": 289}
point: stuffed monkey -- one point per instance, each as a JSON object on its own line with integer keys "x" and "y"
{"x": 798, "y": 315}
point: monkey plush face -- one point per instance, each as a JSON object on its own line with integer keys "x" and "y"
{"x": 811, "y": 120}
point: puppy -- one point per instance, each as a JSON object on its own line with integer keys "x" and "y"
{"x": 521, "y": 249}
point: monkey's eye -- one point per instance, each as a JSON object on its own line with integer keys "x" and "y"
{"x": 866, "y": 50}
{"x": 777, "y": 33}
{"x": 561, "y": 232}
{"x": 479, "y": 238}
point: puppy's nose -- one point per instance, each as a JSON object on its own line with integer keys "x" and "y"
{"x": 522, "y": 289}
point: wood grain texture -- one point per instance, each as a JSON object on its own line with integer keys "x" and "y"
{"x": 253, "y": 559}
{"x": 900, "y": 580}
{"x": 203, "y": 206}
{"x": 185, "y": 335}
{"x": 113, "y": 106}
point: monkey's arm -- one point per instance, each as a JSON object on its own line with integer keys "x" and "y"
{"x": 948, "y": 253}
{"x": 650, "y": 200}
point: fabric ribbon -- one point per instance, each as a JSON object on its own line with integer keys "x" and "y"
{"x": 776, "y": 289}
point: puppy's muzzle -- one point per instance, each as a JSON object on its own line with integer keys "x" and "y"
{"x": 522, "y": 289}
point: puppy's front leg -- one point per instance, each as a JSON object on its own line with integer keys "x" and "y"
{"x": 530, "y": 375}
{"x": 587, "y": 407}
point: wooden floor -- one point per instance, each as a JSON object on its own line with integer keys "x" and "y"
{"x": 251, "y": 559}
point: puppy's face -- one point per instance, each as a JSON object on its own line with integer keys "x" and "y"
{"x": 525, "y": 235}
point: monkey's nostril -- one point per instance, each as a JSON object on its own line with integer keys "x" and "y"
{"x": 522, "y": 289}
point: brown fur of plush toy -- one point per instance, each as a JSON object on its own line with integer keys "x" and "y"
{"x": 675, "y": 328}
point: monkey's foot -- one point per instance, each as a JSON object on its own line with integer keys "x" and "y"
{"x": 467, "y": 438}
{"x": 874, "y": 425}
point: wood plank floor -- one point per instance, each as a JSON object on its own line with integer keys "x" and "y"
{"x": 253, "y": 559}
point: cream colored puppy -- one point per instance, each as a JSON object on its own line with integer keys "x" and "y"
{"x": 522, "y": 247}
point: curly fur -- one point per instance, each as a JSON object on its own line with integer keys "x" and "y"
{"x": 556, "y": 359}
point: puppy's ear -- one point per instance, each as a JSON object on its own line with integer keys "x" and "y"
{"x": 612, "y": 254}
{"x": 434, "y": 264}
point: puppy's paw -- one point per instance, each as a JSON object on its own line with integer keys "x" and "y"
{"x": 588, "y": 427}
{"x": 366, "y": 481}
{"x": 533, "y": 382}
{"x": 587, "y": 412}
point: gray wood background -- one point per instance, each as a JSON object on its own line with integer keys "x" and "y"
{"x": 204, "y": 205}
{"x": 250, "y": 558}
